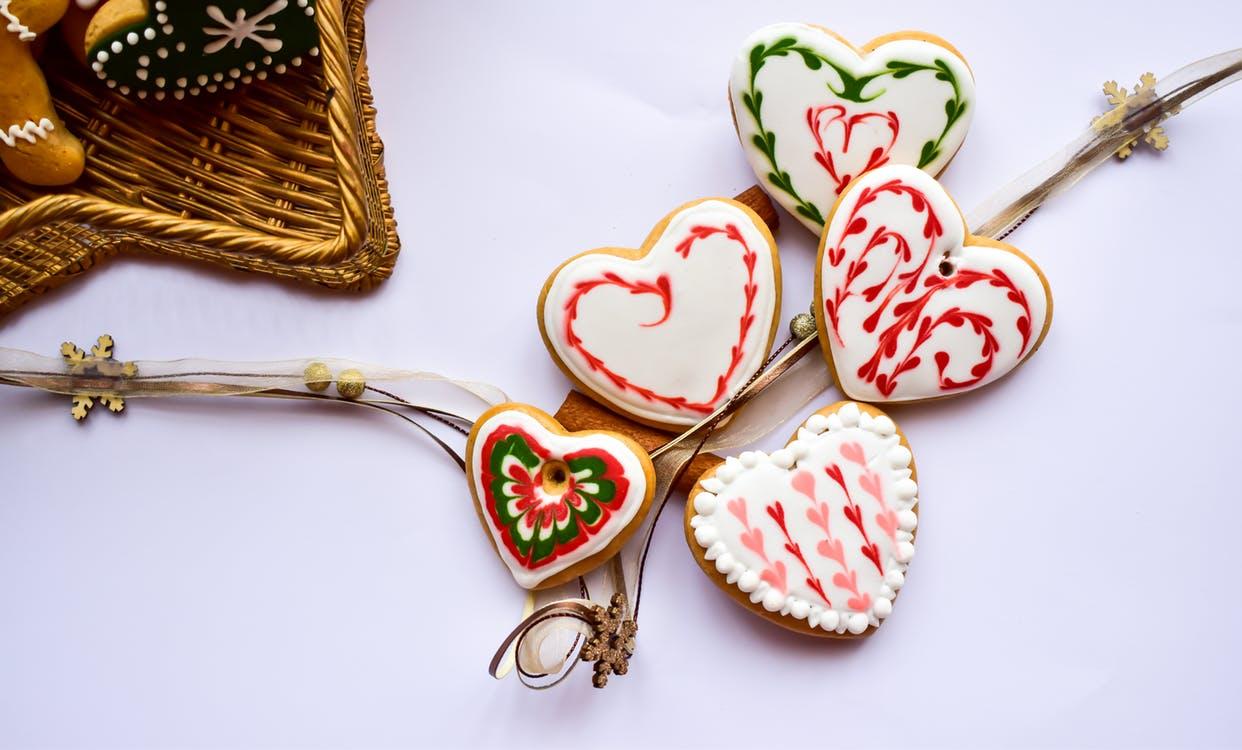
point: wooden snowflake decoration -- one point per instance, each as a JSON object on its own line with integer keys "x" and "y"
{"x": 1123, "y": 100}
{"x": 100, "y": 366}
{"x": 612, "y": 643}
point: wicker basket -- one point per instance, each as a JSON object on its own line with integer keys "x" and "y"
{"x": 284, "y": 177}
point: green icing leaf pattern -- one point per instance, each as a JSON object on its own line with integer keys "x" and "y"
{"x": 537, "y": 527}
{"x": 852, "y": 89}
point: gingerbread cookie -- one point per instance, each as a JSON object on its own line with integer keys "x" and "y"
{"x": 555, "y": 504}
{"x": 913, "y": 307}
{"x": 665, "y": 334}
{"x": 34, "y": 143}
{"x": 172, "y": 48}
{"x": 813, "y": 111}
{"x": 816, "y": 536}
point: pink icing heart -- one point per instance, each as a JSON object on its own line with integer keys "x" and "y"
{"x": 853, "y": 452}
{"x": 753, "y": 541}
{"x": 832, "y": 549}
{"x": 775, "y": 577}
{"x": 804, "y": 484}
{"x": 859, "y": 603}
{"x": 887, "y": 521}
{"x": 870, "y": 482}
{"x": 737, "y": 506}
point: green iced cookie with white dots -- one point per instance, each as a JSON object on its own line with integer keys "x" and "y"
{"x": 162, "y": 48}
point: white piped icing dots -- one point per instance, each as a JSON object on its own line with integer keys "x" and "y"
{"x": 820, "y": 532}
{"x": 193, "y": 49}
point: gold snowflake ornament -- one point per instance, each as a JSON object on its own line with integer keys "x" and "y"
{"x": 1123, "y": 101}
{"x": 99, "y": 365}
{"x": 612, "y": 643}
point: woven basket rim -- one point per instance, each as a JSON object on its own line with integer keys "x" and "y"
{"x": 53, "y": 238}
{"x": 343, "y": 116}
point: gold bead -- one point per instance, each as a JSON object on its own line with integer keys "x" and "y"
{"x": 317, "y": 376}
{"x": 802, "y": 325}
{"x": 351, "y": 384}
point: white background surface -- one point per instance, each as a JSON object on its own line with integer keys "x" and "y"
{"x": 209, "y": 574}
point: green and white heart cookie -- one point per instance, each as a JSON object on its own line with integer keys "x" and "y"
{"x": 814, "y": 112}
{"x": 165, "y": 48}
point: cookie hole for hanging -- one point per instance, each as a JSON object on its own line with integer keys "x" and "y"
{"x": 946, "y": 267}
{"x": 555, "y": 476}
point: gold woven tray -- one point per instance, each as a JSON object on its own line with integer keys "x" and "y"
{"x": 284, "y": 177}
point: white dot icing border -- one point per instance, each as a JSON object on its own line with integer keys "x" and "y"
{"x": 747, "y": 580}
{"x": 185, "y": 84}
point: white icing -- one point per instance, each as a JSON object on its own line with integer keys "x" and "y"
{"x": 29, "y": 131}
{"x": 904, "y": 266}
{"x": 735, "y": 529}
{"x": 685, "y": 353}
{"x": 558, "y": 447}
{"x": 798, "y": 104}
{"x": 241, "y": 29}
{"x": 87, "y": 4}
{"x": 15, "y": 25}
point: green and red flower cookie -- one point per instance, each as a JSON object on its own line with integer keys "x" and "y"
{"x": 554, "y": 504}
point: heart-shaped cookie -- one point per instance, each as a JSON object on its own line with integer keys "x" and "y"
{"x": 911, "y": 306}
{"x": 813, "y": 112}
{"x": 164, "y": 47}
{"x": 554, "y": 503}
{"x": 816, "y": 536}
{"x": 667, "y": 333}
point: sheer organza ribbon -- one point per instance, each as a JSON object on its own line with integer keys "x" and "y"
{"x": 1010, "y": 205}
{"x": 202, "y": 377}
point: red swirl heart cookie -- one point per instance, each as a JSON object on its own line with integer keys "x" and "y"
{"x": 555, "y": 504}
{"x": 913, "y": 307}
{"x": 813, "y": 112}
{"x": 667, "y": 333}
{"x": 818, "y": 535}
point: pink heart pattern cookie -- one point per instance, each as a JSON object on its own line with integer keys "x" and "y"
{"x": 816, "y": 536}
{"x": 910, "y": 305}
{"x": 813, "y": 112}
{"x": 555, "y": 504}
{"x": 667, "y": 333}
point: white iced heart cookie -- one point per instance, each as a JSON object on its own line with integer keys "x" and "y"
{"x": 554, "y": 503}
{"x": 813, "y": 112}
{"x": 816, "y": 536}
{"x": 667, "y": 333}
{"x": 911, "y": 306}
